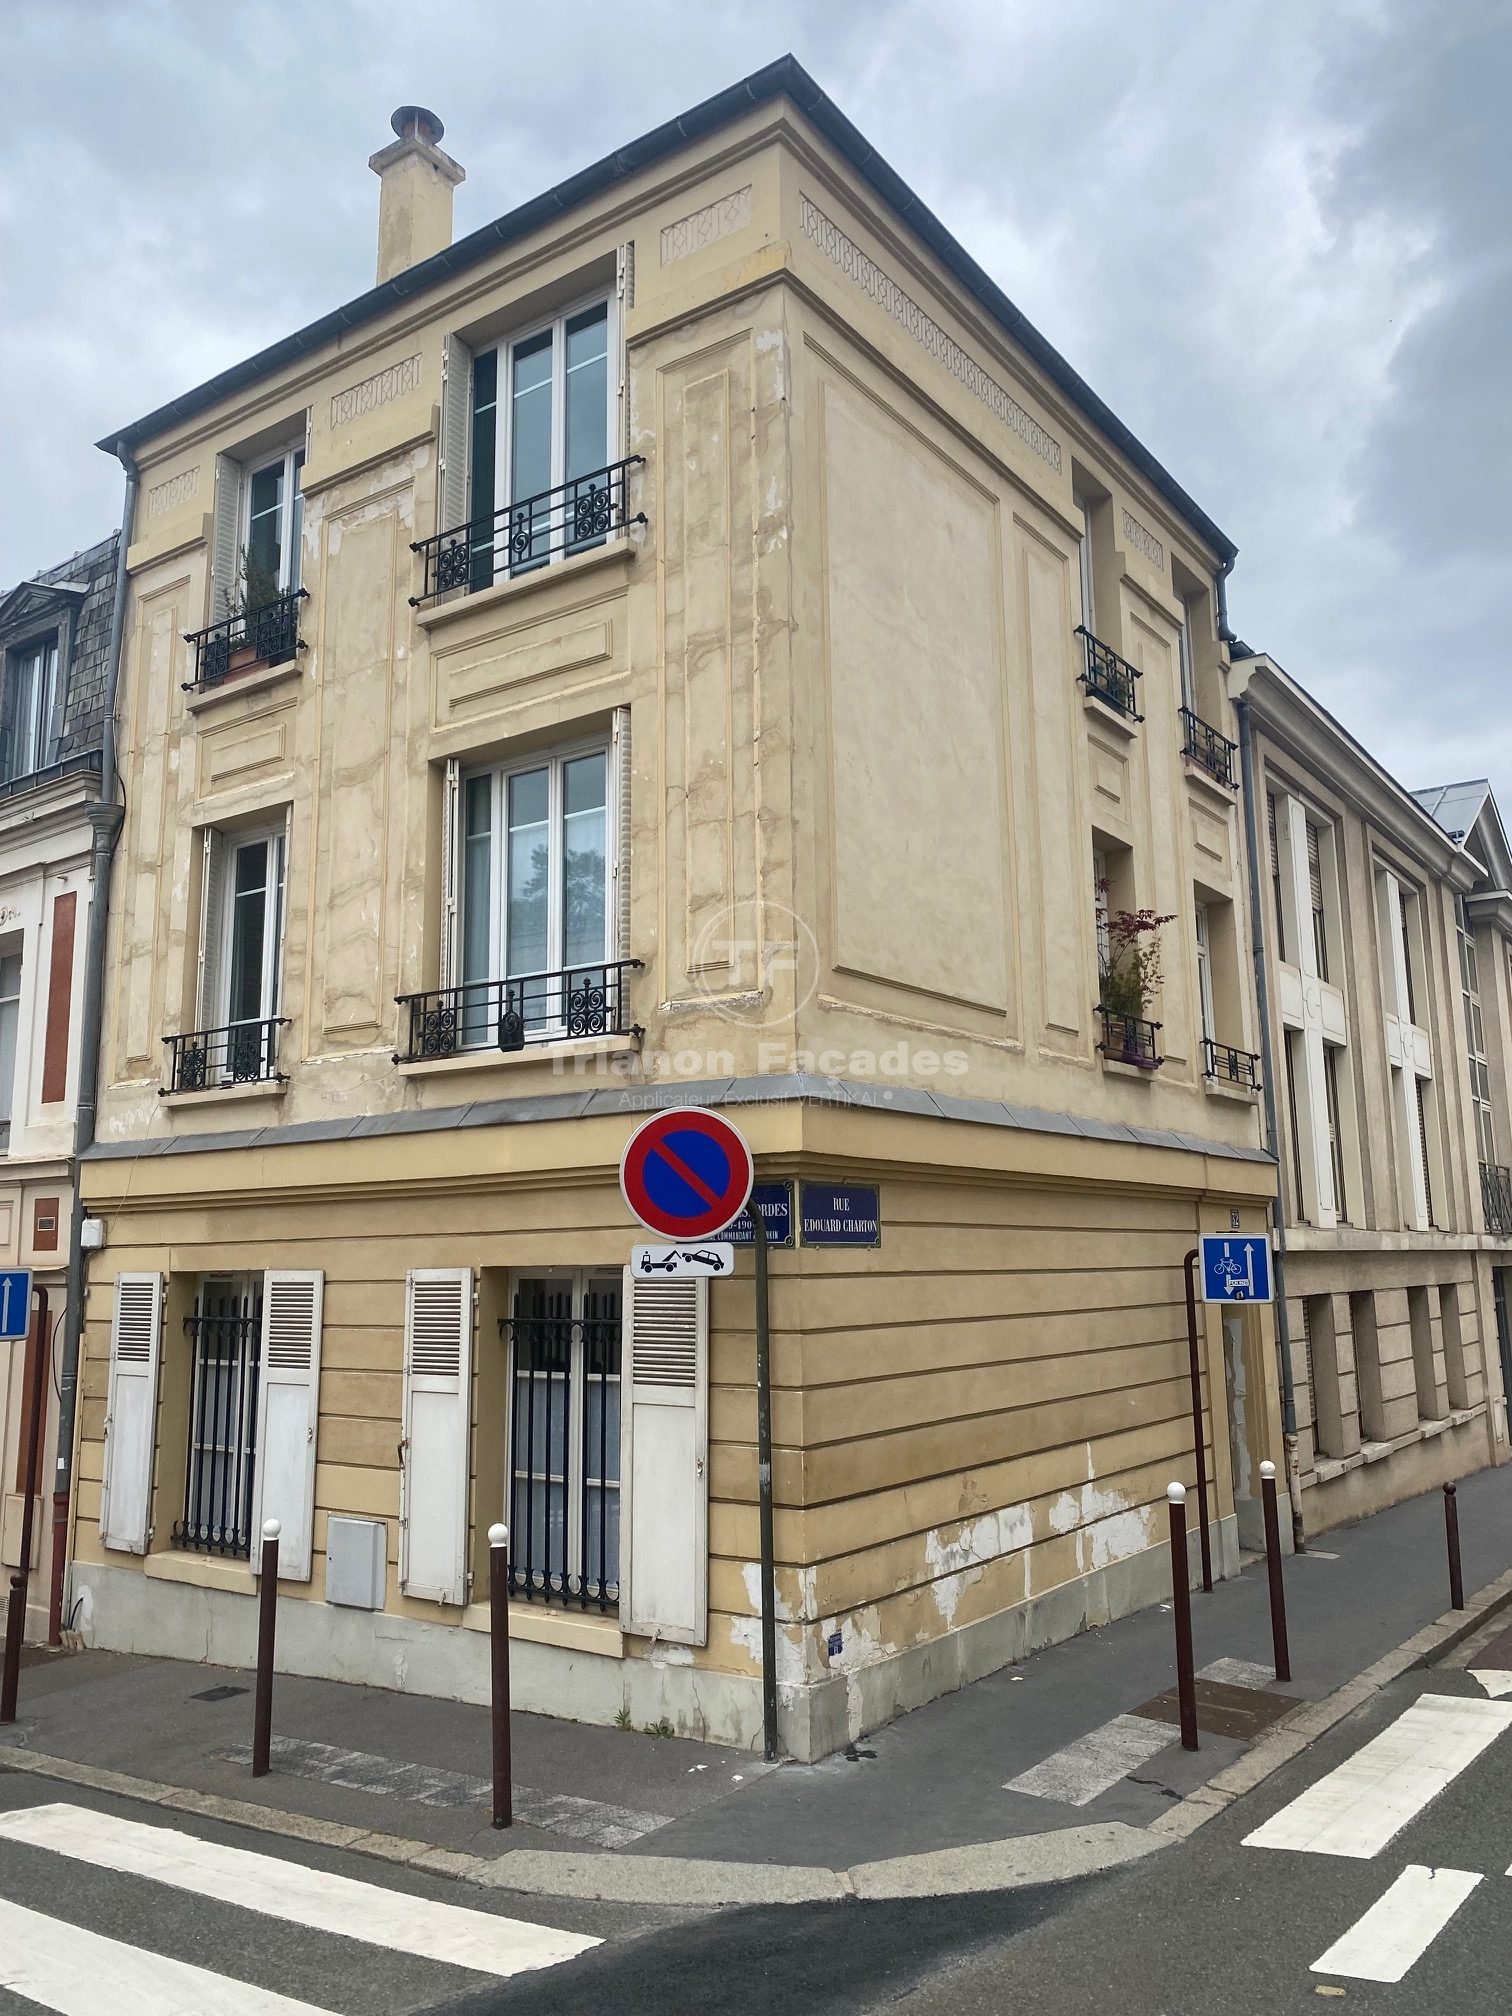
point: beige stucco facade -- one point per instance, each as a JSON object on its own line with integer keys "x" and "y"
{"x": 857, "y": 786}
{"x": 1389, "y": 1262}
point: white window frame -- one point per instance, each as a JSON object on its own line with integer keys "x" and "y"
{"x": 504, "y": 351}
{"x": 555, "y": 762}
{"x": 292, "y": 459}
{"x": 1084, "y": 565}
{"x": 577, "y": 1556}
{"x": 41, "y": 652}
{"x": 272, "y": 963}
{"x": 1186, "y": 662}
{"x": 16, "y": 950}
{"x": 1205, "y": 972}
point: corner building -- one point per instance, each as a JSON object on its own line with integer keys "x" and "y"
{"x": 711, "y": 650}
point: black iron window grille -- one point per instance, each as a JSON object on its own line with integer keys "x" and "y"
{"x": 1496, "y": 1198}
{"x": 1129, "y": 1039}
{"x": 243, "y": 1053}
{"x": 564, "y": 1443}
{"x": 267, "y": 635}
{"x": 577, "y": 1002}
{"x": 520, "y": 537}
{"x": 1108, "y": 676}
{"x": 224, "y": 1340}
{"x": 1227, "y": 1065}
{"x": 1206, "y": 747}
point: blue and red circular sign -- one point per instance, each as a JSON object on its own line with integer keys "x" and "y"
{"x": 686, "y": 1173}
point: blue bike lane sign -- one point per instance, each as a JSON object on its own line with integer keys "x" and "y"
{"x": 1236, "y": 1267}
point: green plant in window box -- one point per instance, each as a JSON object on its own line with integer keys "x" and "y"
{"x": 258, "y": 589}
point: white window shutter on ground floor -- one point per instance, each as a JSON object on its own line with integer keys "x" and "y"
{"x": 433, "y": 1485}
{"x": 288, "y": 1414}
{"x": 664, "y": 1483}
{"x": 136, "y": 1335}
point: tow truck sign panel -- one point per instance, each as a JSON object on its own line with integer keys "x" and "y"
{"x": 707, "y": 1261}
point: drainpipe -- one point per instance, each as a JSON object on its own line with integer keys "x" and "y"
{"x": 105, "y": 816}
{"x": 1272, "y": 1131}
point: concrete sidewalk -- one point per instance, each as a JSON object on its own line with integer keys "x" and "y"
{"x": 1046, "y": 1768}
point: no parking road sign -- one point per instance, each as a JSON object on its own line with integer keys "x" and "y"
{"x": 686, "y": 1173}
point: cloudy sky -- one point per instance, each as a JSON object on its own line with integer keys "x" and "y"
{"x": 1275, "y": 235}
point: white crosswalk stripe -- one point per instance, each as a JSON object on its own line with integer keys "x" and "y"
{"x": 1357, "y": 1808}
{"x": 316, "y": 1898}
{"x": 1398, "y": 1928}
{"x": 67, "y": 1968}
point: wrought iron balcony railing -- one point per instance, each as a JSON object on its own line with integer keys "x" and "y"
{"x": 1214, "y": 752}
{"x": 268, "y": 635}
{"x": 1108, "y": 676}
{"x": 207, "y": 1060}
{"x": 1229, "y": 1066}
{"x": 520, "y": 537}
{"x": 558, "y": 1551}
{"x": 1496, "y": 1198}
{"x": 579, "y": 1001}
{"x": 1129, "y": 1039}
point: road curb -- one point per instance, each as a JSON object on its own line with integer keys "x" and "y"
{"x": 1059, "y": 1855}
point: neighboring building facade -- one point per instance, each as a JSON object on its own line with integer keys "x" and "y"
{"x": 688, "y": 642}
{"x": 54, "y": 638}
{"x": 1389, "y": 1278}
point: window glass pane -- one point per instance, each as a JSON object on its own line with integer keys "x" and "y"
{"x": 585, "y": 782}
{"x": 264, "y": 555}
{"x": 296, "y": 526}
{"x": 527, "y": 944}
{"x": 477, "y": 905}
{"x": 10, "y": 991}
{"x": 249, "y": 919}
{"x": 539, "y": 1423}
{"x": 587, "y": 391}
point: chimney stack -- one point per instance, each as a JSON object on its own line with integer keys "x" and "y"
{"x": 415, "y": 196}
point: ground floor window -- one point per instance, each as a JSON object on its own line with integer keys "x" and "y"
{"x": 224, "y": 1338}
{"x": 563, "y": 1338}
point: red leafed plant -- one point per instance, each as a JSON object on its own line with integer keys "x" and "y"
{"x": 1130, "y": 968}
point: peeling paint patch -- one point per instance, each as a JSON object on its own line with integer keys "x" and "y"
{"x": 954, "y": 1564}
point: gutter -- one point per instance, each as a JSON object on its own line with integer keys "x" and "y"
{"x": 105, "y": 816}
{"x": 1272, "y": 1142}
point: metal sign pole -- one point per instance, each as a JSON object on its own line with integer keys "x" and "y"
{"x": 15, "y": 1616}
{"x": 764, "y": 1475}
{"x": 1194, "y": 1354}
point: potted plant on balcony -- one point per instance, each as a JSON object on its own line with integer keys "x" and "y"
{"x": 1129, "y": 980}
{"x": 259, "y": 587}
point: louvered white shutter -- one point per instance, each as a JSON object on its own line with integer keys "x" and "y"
{"x": 451, "y": 812}
{"x": 622, "y": 832}
{"x": 212, "y": 924}
{"x": 225, "y": 585}
{"x": 664, "y": 1486}
{"x": 288, "y": 1413}
{"x": 438, "y": 1323}
{"x": 456, "y": 426}
{"x": 136, "y": 1333}
{"x": 625, "y": 299}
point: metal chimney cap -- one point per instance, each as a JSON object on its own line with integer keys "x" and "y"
{"x": 414, "y": 122}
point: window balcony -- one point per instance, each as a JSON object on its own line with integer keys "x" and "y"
{"x": 1225, "y": 1065}
{"x": 1128, "y": 1039}
{"x": 570, "y": 1006}
{"x": 1108, "y": 677}
{"x": 267, "y": 635}
{"x": 1496, "y": 1199}
{"x": 1209, "y": 750}
{"x": 519, "y": 538}
{"x": 209, "y": 1060}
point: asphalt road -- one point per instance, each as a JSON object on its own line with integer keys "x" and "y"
{"x": 1211, "y": 1926}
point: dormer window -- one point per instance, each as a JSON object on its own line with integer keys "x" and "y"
{"x": 28, "y": 737}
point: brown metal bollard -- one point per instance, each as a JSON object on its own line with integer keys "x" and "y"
{"x": 1451, "y": 1533}
{"x": 267, "y": 1618}
{"x": 1279, "y": 1648}
{"x": 498, "y": 1634}
{"x": 1181, "y": 1603}
{"x": 15, "y": 1615}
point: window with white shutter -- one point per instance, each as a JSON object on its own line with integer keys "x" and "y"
{"x": 451, "y": 812}
{"x": 622, "y": 831}
{"x": 436, "y": 1447}
{"x": 225, "y": 556}
{"x": 456, "y": 422}
{"x": 288, "y": 1414}
{"x": 664, "y": 1490}
{"x": 136, "y": 1334}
